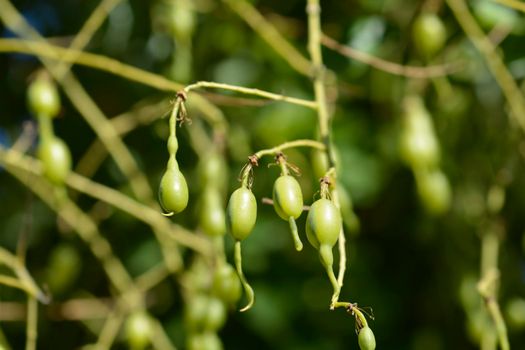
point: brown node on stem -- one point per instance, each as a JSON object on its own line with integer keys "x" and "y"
{"x": 325, "y": 180}
{"x": 246, "y": 174}
{"x": 182, "y": 95}
{"x": 280, "y": 158}
{"x": 253, "y": 160}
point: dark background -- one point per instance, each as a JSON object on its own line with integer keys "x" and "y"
{"x": 405, "y": 264}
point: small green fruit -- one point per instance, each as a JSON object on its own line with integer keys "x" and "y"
{"x": 366, "y": 339}
{"x": 434, "y": 190}
{"x": 204, "y": 341}
{"x": 173, "y": 191}
{"x": 56, "y": 159}
{"x": 429, "y": 35}
{"x": 242, "y": 213}
{"x": 43, "y": 97}
{"x": 212, "y": 217}
{"x": 323, "y": 223}
{"x": 226, "y": 284}
{"x": 139, "y": 330}
{"x": 287, "y": 197}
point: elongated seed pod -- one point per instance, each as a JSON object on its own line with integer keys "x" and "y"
{"x": 287, "y": 197}
{"x": 56, "y": 159}
{"x": 323, "y": 223}
{"x": 173, "y": 191}
{"x": 366, "y": 339}
{"x": 242, "y": 213}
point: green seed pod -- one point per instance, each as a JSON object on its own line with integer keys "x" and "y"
{"x": 63, "y": 268}
{"x": 242, "y": 213}
{"x": 434, "y": 191}
{"x": 419, "y": 146}
{"x": 56, "y": 159}
{"x": 366, "y": 339}
{"x": 139, "y": 330}
{"x": 43, "y": 98}
{"x": 204, "y": 313}
{"x": 419, "y": 149}
{"x": 515, "y": 312}
{"x": 212, "y": 218}
{"x": 226, "y": 284}
{"x": 323, "y": 223}
{"x": 216, "y": 315}
{"x": 173, "y": 191}
{"x": 350, "y": 219}
{"x": 287, "y": 197}
{"x": 204, "y": 341}
{"x": 320, "y": 163}
{"x": 429, "y": 35}
{"x": 182, "y": 19}
{"x": 213, "y": 171}
{"x": 195, "y": 312}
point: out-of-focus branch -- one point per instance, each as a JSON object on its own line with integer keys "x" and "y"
{"x": 390, "y": 67}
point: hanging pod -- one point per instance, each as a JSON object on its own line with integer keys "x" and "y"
{"x": 139, "y": 330}
{"x": 419, "y": 146}
{"x": 212, "y": 218}
{"x": 43, "y": 98}
{"x": 55, "y": 157}
{"x": 213, "y": 171}
{"x": 173, "y": 190}
{"x": 434, "y": 191}
{"x": 242, "y": 214}
{"x": 226, "y": 284}
{"x": 323, "y": 223}
{"x": 288, "y": 203}
{"x": 366, "y": 339}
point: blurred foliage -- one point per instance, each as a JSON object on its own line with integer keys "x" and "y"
{"x": 412, "y": 268}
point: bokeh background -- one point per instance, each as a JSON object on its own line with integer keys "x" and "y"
{"x": 416, "y": 270}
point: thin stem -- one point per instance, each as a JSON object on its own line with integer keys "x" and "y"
{"x": 32, "y": 323}
{"x": 390, "y": 67}
{"x": 295, "y": 234}
{"x": 15, "y": 283}
{"x": 501, "y": 328}
{"x": 248, "y": 290}
{"x": 24, "y": 280}
{"x": 251, "y": 91}
{"x": 173, "y": 118}
{"x": 290, "y": 144}
{"x": 271, "y": 35}
{"x": 494, "y": 61}
{"x": 103, "y": 63}
{"x": 152, "y": 277}
{"x": 342, "y": 258}
{"x": 313, "y": 10}
{"x": 352, "y": 307}
{"x": 110, "y": 329}
{"x": 160, "y": 339}
{"x": 488, "y": 284}
{"x": 335, "y": 285}
{"x": 45, "y": 127}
